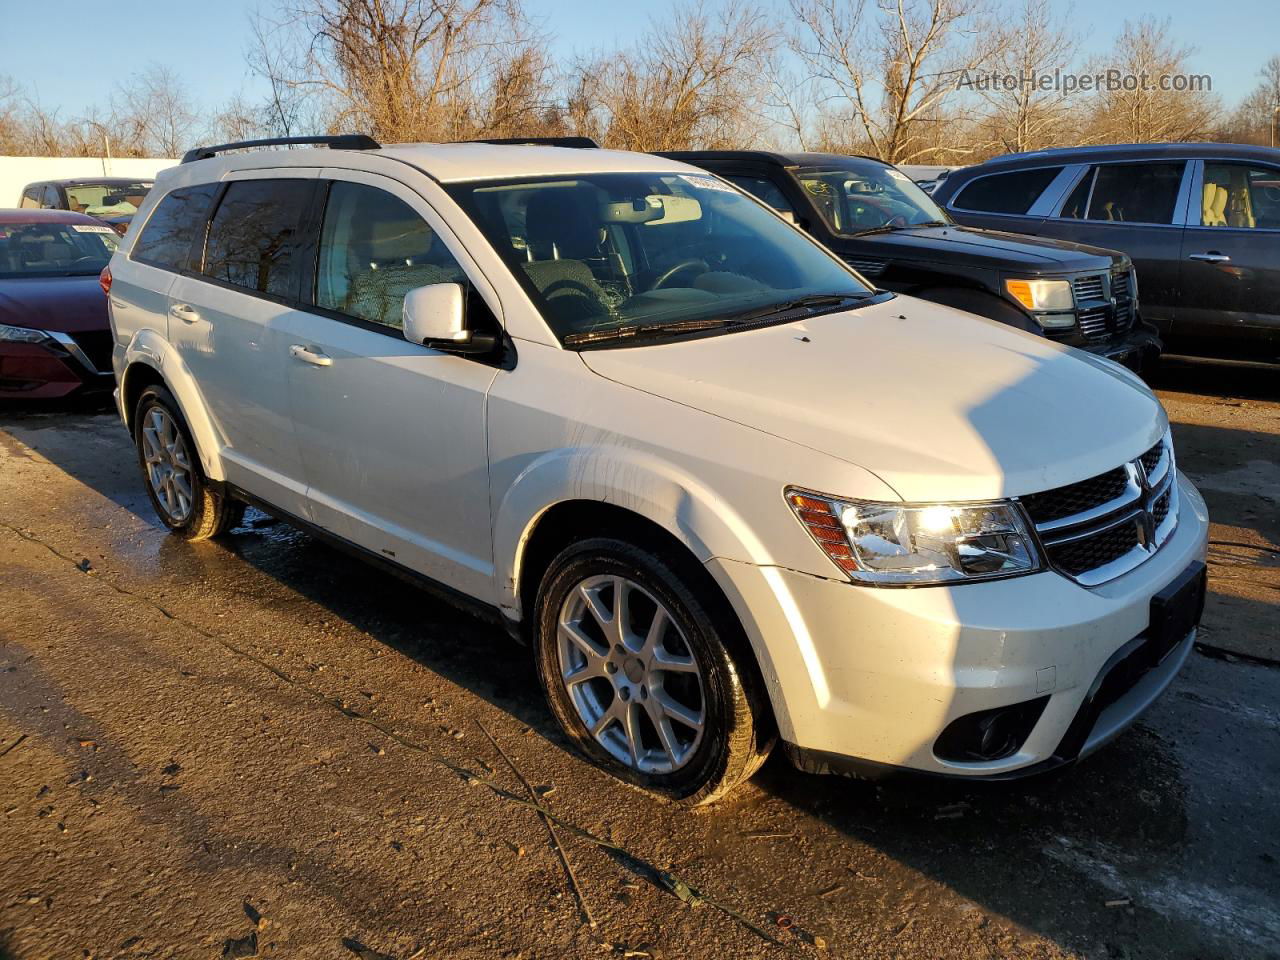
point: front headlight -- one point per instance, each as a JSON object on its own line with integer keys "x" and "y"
{"x": 888, "y": 544}
{"x": 22, "y": 334}
{"x": 1042, "y": 294}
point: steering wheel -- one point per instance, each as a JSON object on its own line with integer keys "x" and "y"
{"x": 898, "y": 221}
{"x": 683, "y": 265}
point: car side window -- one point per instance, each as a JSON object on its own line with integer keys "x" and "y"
{"x": 31, "y": 198}
{"x": 177, "y": 221}
{"x": 1240, "y": 196}
{"x": 374, "y": 248}
{"x": 253, "y": 234}
{"x": 1134, "y": 192}
{"x": 764, "y": 190}
{"x": 1007, "y": 193}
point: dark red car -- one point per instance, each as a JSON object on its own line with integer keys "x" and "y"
{"x": 55, "y": 335}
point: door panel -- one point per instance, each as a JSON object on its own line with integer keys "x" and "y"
{"x": 1231, "y": 265}
{"x": 1138, "y": 209}
{"x": 226, "y": 325}
{"x": 391, "y": 434}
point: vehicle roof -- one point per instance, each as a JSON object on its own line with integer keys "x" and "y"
{"x": 1124, "y": 151}
{"x": 32, "y": 215}
{"x": 799, "y": 159}
{"x": 78, "y": 181}
{"x": 451, "y": 162}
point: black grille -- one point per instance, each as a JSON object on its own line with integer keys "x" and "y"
{"x": 1076, "y": 497}
{"x": 96, "y": 345}
{"x": 1160, "y": 509}
{"x": 1151, "y": 459}
{"x": 1078, "y": 556}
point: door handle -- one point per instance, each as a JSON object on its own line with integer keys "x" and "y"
{"x": 1210, "y": 257}
{"x": 310, "y": 355}
{"x": 184, "y": 313}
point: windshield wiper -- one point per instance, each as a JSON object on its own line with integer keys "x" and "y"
{"x": 637, "y": 329}
{"x": 906, "y": 226}
{"x": 646, "y": 330}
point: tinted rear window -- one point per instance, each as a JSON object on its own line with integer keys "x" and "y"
{"x": 178, "y": 219}
{"x": 1012, "y": 193}
{"x": 252, "y": 235}
{"x": 1133, "y": 192}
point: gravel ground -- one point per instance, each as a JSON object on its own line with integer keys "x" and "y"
{"x": 260, "y": 747}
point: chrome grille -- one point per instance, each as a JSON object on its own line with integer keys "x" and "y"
{"x": 1104, "y": 304}
{"x": 1097, "y": 529}
{"x": 1088, "y": 288}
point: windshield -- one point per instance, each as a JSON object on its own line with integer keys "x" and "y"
{"x": 107, "y": 199}
{"x": 54, "y": 249}
{"x": 643, "y": 251}
{"x": 853, "y": 199}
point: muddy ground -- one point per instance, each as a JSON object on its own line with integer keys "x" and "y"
{"x": 262, "y": 747}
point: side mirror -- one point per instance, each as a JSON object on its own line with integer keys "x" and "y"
{"x": 435, "y": 317}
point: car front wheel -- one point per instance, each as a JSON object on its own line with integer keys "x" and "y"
{"x": 638, "y": 674}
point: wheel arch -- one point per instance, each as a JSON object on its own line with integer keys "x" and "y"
{"x": 150, "y": 360}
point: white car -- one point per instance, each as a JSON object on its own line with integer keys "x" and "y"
{"x": 728, "y": 492}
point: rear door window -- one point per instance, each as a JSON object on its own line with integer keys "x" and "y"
{"x": 1006, "y": 193}
{"x": 374, "y": 248}
{"x": 178, "y": 220}
{"x": 31, "y": 198}
{"x": 1127, "y": 192}
{"x": 253, "y": 235}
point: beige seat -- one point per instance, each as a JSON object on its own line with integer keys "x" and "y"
{"x": 1214, "y": 206}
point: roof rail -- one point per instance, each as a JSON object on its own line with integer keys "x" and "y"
{"x": 580, "y": 142}
{"x": 343, "y": 141}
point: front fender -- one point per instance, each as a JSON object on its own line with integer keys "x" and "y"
{"x": 149, "y": 349}
{"x": 624, "y": 477}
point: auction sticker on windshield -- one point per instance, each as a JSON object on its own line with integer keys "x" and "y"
{"x": 708, "y": 183}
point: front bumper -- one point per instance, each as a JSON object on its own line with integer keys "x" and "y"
{"x": 48, "y": 370}
{"x": 1136, "y": 350}
{"x": 864, "y": 678}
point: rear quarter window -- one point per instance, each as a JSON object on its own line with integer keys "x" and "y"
{"x": 1008, "y": 193}
{"x": 177, "y": 221}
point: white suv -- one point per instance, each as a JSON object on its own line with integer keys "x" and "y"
{"x": 727, "y": 491}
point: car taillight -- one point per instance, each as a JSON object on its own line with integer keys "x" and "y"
{"x": 104, "y": 280}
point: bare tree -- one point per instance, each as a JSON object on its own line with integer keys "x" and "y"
{"x": 1022, "y": 112}
{"x": 696, "y": 79}
{"x": 1142, "y": 105}
{"x": 403, "y": 70}
{"x": 885, "y": 70}
{"x": 1257, "y": 118}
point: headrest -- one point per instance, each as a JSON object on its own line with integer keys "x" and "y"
{"x": 563, "y": 224}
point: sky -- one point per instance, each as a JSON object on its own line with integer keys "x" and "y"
{"x": 70, "y": 53}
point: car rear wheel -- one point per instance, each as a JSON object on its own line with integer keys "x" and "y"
{"x": 175, "y": 482}
{"x": 637, "y": 672}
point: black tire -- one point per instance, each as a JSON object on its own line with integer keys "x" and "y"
{"x": 211, "y": 514}
{"x": 735, "y": 739}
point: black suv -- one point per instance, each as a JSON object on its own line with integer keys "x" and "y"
{"x": 881, "y": 223}
{"x": 1200, "y": 220}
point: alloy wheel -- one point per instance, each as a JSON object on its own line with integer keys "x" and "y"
{"x": 168, "y": 465}
{"x": 631, "y": 674}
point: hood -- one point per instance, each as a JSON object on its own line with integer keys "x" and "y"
{"x": 939, "y": 404}
{"x": 959, "y": 246}
{"x": 68, "y": 304}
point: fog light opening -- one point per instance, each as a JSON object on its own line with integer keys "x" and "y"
{"x": 989, "y": 734}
